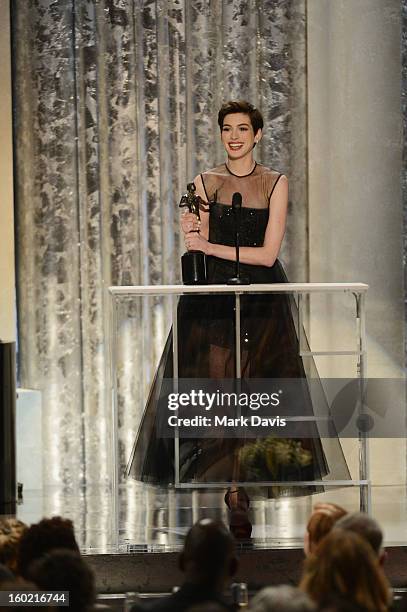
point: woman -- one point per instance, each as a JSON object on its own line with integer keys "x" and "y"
{"x": 344, "y": 568}
{"x": 322, "y": 520}
{"x": 241, "y": 129}
{"x": 206, "y": 325}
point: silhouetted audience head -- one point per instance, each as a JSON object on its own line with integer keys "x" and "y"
{"x": 367, "y": 527}
{"x": 345, "y": 567}
{"x": 42, "y": 537}
{"x": 5, "y": 574}
{"x": 11, "y": 530}
{"x": 323, "y": 518}
{"x": 65, "y": 570}
{"x": 284, "y": 598}
{"x": 209, "y": 556}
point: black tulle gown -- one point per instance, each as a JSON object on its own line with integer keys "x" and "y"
{"x": 206, "y": 332}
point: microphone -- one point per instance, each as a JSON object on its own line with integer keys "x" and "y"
{"x": 237, "y": 203}
{"x": 237, "y": 211}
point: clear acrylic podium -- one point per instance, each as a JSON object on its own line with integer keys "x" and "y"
{"x": 300, "y": 291}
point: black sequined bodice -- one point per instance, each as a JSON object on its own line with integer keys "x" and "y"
{"x": 256, "y": 190}
{"x": 252, "y": 226}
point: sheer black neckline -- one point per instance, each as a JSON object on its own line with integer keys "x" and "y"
{"x": 241, "y": 175}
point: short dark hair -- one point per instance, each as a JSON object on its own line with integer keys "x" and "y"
{"x": 241, "y": 106}
{"x": 364, "y": 525}
{"x": 65, "y": 570}
{"x": 209, "y": 548}
{"x": 40, "y": 538}
{"x": 5, "y": 574}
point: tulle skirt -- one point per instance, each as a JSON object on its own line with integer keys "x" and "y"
{"x": 206, "y": 350}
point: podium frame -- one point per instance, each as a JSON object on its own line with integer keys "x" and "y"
{"x": 358, "y": 290}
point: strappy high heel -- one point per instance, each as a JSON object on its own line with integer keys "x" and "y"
{"x": 237, "y": 498}
{"x": 238, "y": 503}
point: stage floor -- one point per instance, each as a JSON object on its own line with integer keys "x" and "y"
{"x": 156, "y": 520}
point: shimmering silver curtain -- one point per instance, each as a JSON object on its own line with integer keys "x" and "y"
{"x": 404, "y": 167}
{"x": 115, "y": 111}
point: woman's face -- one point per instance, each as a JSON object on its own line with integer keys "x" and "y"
{"x": 237, "y": 135}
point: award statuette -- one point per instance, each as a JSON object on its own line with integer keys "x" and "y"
{"x": 193, "y": 262}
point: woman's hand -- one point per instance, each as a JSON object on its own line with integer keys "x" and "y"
{"x": 189, "y": 222}
{"x": 195, "y": 242}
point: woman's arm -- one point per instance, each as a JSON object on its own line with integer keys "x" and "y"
{"x": 265, "y": 255}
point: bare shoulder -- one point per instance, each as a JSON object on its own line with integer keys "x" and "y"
{"x": 273, "y": 178}
{"x": 282, "y": 182}
{"x": 198, "y": 181}
{"x": 278, "y": 188}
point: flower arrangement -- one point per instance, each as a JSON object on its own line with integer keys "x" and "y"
{"x": 274, "y": 459}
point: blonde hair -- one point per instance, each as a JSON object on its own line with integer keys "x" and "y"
{"x": 344, "y": 565}
{"x": 11, "y": 530}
